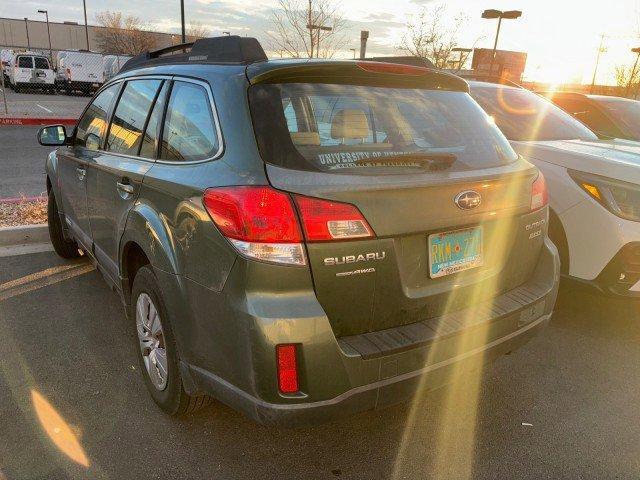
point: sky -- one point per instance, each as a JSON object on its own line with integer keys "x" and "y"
{"x": 561, "y": 37}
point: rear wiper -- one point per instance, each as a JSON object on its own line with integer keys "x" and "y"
{"x": 433, "y": 160}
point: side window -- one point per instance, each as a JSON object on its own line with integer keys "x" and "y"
{"x": 92, "y": 126}
{"x": 590, "y": 115}
{"x": 125, "y": 132}
{"x": 150, "y": 136}
{"x": 189, "y": 131}
{"x": 25, "y": 62}
{"x": 41, "y": 63}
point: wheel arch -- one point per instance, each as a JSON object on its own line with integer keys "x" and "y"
{"x": 146, "y": 239}
{"x": 559, "y": 238}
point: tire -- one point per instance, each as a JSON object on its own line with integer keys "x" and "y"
{"x": 63, "y": 247}
{"x": 167, "y": 391}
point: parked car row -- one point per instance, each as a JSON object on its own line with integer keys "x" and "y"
{"x": 73, "y": 71}
{"x": 306, "y": 239}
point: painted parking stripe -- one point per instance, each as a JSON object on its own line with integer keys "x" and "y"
{"x": 44, "y": 278}
{"x": 44, "y": 108}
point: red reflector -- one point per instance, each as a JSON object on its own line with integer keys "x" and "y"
{"x": 253, "y": 214}
{"x": 287, "y": 368}
{"x": 539, "y": 194}
{"x": 396, "y": 69}
{"x": 324, "y": 220}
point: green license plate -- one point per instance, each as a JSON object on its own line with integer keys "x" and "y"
{"x": 453, "y": 252}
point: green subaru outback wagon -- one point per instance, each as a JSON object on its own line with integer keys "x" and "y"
{"x": 301, "y": 239}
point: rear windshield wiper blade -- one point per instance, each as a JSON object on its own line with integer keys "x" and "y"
{"x": 433, "y": 160}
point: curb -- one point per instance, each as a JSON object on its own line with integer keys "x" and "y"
{"x": 13, "y": 121}
{"x": 41, "y": 198}
{"x": 23, "y": 235}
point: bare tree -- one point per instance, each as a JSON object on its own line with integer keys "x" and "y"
{"x": 292, "y": 36}
{"x": 429, "y": 37}
{"x": 196, "y": 30}
{"x": 622, "y": 75}
{"x": 123, "y": 35}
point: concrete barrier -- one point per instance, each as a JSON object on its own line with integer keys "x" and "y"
{"x": 24, "y": 235}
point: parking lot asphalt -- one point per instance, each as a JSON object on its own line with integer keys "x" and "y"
{"x": 39, "y": 104}
{"x": 22, "y": 162}
{"x": 73, "y": 405}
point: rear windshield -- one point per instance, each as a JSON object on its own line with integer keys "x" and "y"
{"x": 322, "y": 127}
{"x": 41, "y": 62}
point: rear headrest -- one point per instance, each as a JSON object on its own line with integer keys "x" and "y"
{"x": 305, "y": 138}
{"x": 350, "y": 124}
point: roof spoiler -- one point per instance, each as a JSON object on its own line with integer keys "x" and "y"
{"x": 226, "y": 49}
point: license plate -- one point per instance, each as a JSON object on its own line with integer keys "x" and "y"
{"x": 95, "y": 85}
{"x": 41, "y": 74}
{"x": 456, "y": 251}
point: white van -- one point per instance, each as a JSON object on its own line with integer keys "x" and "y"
{"x": 6, "y": 55}
{"x": 81, "y": 71}
{"x": 113, "y": 64}
{"x": 29, "y": 71}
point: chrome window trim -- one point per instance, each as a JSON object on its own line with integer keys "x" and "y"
{"x": 176, "y": 78}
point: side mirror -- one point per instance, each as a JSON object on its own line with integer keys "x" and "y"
{"x": 52, "y": 136}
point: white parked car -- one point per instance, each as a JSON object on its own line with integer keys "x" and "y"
{"x": 29, "y": 71}
{"x": 79, "y": 71}
{"x": 593, "y": 185}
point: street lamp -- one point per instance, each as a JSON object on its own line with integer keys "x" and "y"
{"x": 86, "y": 26}
{"x": 184, "y": 30}
{"x": 499, "y": 14}
{"x": 46, "y": 13}
{"x": 633, "y": 70}
{"x": 26, "y": 27}
{"x": 227, "y": 33}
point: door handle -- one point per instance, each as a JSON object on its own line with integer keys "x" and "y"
{"x": 81, "y": 172}
{"x": 125, "y": 188}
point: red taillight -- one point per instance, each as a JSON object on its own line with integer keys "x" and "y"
{"x": 253, "y": 214}
{"x": 539, "y": 194}
{"x": 324, "y": 220}
{"x": 396, "y": 69}
{"x": 287, "y": 368}
{"x": 259, "y": 221}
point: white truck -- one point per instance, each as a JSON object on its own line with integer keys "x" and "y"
{"x": 5, "y": 61}
{"x": 31, "y": 71}
{"x": 79, "y": 71}
{"x": 113, "y": 64}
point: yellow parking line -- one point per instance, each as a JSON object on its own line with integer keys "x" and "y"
{"x": 41, "y": 279}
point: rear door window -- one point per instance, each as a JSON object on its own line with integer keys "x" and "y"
{"x": 150, "y": 137}
{"x": 25, "y": 62}
{"x": 189, "y": 132}
{"x": 324, "y": 127}
{"x": 130, "y": 116}
{"x": 41, "y": 62}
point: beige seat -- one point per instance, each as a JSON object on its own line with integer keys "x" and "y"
{"x": 350, "y": 124}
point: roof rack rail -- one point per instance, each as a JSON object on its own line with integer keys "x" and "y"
{"x": 221, "y": 50}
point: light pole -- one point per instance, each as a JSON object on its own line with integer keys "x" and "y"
{"x": 26, "y": 27}
{"x": 86, "y": 26}
{"x": 184, "y": 31}
{"x": 499, "y": 14}
{"x": 633, "y": 70}
{"x": 46, "y": 14}
{"x": 228, "y": 34}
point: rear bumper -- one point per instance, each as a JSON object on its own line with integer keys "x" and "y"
{"x": 382, "y": 393}
{"x": 83, "y": 86}
{"x": 620, "y": 277}
{"x": 347, "y": 375}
